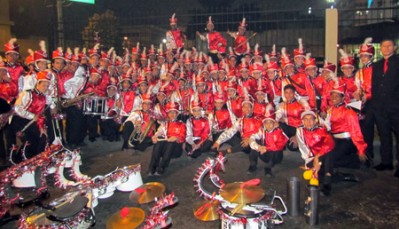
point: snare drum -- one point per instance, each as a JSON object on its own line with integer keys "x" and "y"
{"x": 28, "y": 179}
{"x": 66, "y": 215}
{"x": 95, "y": 105}
{"x": 247, "y": 218}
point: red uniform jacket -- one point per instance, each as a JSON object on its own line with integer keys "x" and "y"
{"x": 350, "y": 87}
{"x": 291, "y": 113}
{"x": 274, "y": 140}
{"x": 221, "y": 120}
{"x": 343, "y": 119}
{"x": 198, "y": 127}
{"x": 304, "y": 87}
{"x": 207, "y": 101}
{"x": 363, "y": 78}
{"x": 318, "y": 140}
{"x": 240, "y": 46}
{"x": 176, "y": 129}
{"x": 235, "y": 106}
{"x": 214, "y": 39}
{"x": 127, "y": 102}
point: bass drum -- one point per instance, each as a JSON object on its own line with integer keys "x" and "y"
{"x": 67, "y": 214}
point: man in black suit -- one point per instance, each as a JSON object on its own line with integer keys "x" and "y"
{"x": 385, "y": 102}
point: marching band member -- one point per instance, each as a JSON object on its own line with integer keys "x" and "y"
{"x": 144, "y": 120}
{"x": 267, "y": 144}
{"x": 198, "y": 129}
{"x": 234, "y": 101}
{"x": 316, "y": 146}
{"x": 174, "y": 37}
{"x": 205, "y": 96}
{"x": 261, "y": 103}
{"x": 216, "y": 42}
{"x": 9, "y": 82}
{"x": 363, "y": 82}
{"x": 30, "y": 107}
{"x": 238, "y": 135}
{"x": 240, "y": 41}
{"x": 274, "y": 80}
{"x": 347, "y": 79}
{"x": 288, "y": 115}
{"x": 73, "y": 87}
{"x": 331, "y": 81}
{"x": 310, "y": 70}
{"x": 168, "y": 141}
{"x": 41, "y": 62}
{"x": 343, "y": 122}
{"x": 110, "y": 123}
{"x": 127, "y": 99}
{"x": 93, "y": 86}
{"x": 299, "y": 57}
{"x": 220, "y": 117}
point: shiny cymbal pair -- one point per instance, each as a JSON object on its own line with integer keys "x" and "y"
{"x": 241, "y": 193}
{"x": 131, "y": 217}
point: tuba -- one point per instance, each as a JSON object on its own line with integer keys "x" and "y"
{"x": 138, "y": 136}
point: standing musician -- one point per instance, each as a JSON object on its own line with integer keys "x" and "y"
{"x": 9, "y": 81}
{"x": 299, "y": 57}
{"x": 174, "y": 37}
{"x": 73, "y": 87}
{"x": 199, "y": 135}
{"x": 168, "y": 141}
{"x": 350, "y": 148}
{"x": 363, "y": 82}
{"x": 93, "y": 86}
{"x": 110, "y": 123}
{"x": 41, "y": 61}
{"x": 240, "y": 46}
{"x": 141, "y": 122}
{"x": 126, "y": 102}
{"x": 216, "y": 42}
{"x": 29, "y": 118}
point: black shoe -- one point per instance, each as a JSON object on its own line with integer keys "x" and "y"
{"x": 160, "y": 171}
{"x": 326, "y": 189}
{"x": 252, "y": 169}
{"x": 382, "y": 167}
{"x": 268, "y": 172}
{"x": 396, "y": 174}
{"x": 92, "y": 139}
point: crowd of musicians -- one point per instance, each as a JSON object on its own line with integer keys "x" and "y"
{"x": 186, "y": 102}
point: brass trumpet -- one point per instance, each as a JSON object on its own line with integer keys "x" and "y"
{"x": 138, "y": 136}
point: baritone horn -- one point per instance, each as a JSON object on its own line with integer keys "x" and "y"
{"x": 138, "y": 136}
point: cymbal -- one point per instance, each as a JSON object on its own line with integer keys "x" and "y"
{"x": 147, "y": 192}
{"x": 126, "y": 218}
{"x": 242, "y": 192}
{"x": 207, "y": 210}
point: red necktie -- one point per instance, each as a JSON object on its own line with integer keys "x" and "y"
{"x": 385, "y": 66}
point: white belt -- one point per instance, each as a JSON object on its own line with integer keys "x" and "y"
{"x": 342, "y": 135}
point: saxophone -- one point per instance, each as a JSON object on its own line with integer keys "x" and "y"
{"x": 71, "y": 102}
{"x": 138, "y": 136}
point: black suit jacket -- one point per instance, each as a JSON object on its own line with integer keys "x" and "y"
{"x": 385, "y": 87}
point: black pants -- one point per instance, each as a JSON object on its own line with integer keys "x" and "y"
{"x": 290, "y": 131}
{"x": 235, "y": 143}
{"x": 205, "y": 147}
{"x": 91, "y": 122}
{"x": 367, "y": 123}
{"x": 270, "y": 158}
{"x": 162, "y": 153}
{"x": 387, "y": 122}
{"x": 345, "y": 154}
{"x": 109, "y": 129}
{"x": 31, "y": 135}
{"x": 75, "y": 132}
{"x": 128, "y": 128}
{"x": 327, "y": 166}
